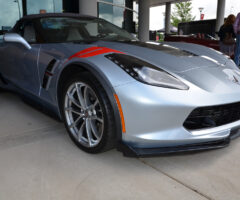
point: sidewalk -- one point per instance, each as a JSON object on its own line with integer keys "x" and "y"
{"x": 39, "y": 161}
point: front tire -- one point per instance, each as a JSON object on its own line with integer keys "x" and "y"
{"x": 88, "y": 114}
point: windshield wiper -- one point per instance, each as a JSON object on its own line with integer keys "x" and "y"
{"x": 118, "y": 40}
{"x": 89, "y": 41}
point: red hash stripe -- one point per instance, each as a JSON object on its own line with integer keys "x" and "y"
{"x": 93, "y": 51}
{"x": 84, "y": 51}
{"x": 99, "y": 52}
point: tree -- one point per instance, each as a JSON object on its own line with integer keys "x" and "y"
{"x": 182, "y": 13}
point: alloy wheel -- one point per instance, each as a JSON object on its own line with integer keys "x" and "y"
{"x": 84, "y": 114}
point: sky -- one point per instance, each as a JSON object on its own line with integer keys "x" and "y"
{"x": 210, "y": 7}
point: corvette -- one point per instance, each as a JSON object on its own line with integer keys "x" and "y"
{"x": 112, "y": 90}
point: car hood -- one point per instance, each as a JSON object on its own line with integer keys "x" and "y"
{"x": 172, "y": 57}
{"x": 198, "y": 65}
{"x": 206, "y": 68}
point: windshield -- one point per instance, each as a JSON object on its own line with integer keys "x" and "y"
{"x": 65, "y": 29}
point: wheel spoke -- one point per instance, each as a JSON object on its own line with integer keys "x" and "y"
{"x": 75, "y": 122}
{"x": 89, "y": 132}
{"x": 80, "y": 96}
{"x": 94, "y": 129}
{"x": 80, "y": 132}
{"x": 73, "y": 111}
{"x": 98, "y": 119}
{"x": 71, "y": 98}
{"x": 95, "y": 103}
{"x": 86, "y": 97}
{"x": 93, "y": 106}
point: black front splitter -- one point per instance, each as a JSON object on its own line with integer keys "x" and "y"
{"x": 130, "y": 151}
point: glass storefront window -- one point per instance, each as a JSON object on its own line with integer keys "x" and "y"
{"x": 9, "y": 13}
{"x": 111, "y": 13}
{"x": 48, "y": 6}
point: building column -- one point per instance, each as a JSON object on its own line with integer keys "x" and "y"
{"x": 24, "y": 7}
{"x": 168, "y": 18}
{"x": 70, "y": 6}
{"x": 88, "y": 7}
{"x": 220, "y": 14}
{"x": 143, "y": 29}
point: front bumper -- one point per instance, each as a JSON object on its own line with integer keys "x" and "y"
{"x": 154, "y": 119}
{"x": 129, "y": 151}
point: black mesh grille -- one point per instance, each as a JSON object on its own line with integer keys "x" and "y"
{"x": 213, "y": 116}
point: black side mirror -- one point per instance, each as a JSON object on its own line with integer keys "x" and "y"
{"x": 2, "y": 32}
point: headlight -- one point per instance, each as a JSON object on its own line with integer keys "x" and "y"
{"x": 146, "y": 72}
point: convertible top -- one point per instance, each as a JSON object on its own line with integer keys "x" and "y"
{"x": 74, "y": 15}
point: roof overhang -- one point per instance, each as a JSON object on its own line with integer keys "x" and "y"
{"x": 162, "y": 2}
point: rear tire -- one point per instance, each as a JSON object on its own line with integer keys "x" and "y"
{"x": 88, "y": 114}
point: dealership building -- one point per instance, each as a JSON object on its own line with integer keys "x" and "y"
{"x": 131, "y": 15}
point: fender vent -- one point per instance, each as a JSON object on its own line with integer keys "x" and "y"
{"x": 51, "y": 65}
{"x": 48, "y": 73}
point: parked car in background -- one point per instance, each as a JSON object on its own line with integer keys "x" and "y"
{"x": 197, "y": 32}
{"x": 201, "y": 39}
{"x": 206, "y": 27}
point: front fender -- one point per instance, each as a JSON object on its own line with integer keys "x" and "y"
{"x": 101, "y": 77}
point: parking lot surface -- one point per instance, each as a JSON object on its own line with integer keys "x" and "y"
{"x": 38, "y": 161}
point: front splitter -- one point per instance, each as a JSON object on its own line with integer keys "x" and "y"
{"x": 129, "y": 151}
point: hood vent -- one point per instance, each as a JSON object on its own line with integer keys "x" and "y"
{"x": 165, "y": 48}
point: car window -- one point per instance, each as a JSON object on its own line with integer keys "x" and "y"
{"x": 27, "y": 31}
{"x": 92, "y": 28}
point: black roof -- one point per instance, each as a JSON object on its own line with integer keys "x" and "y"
{"x": 74, "y": 15}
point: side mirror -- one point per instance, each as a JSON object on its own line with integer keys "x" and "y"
{"x": 14, "y": 37}
{"x": 2, "y": 32}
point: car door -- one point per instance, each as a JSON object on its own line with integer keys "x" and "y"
{"x": 20, "y": 63}
{"x": 5, "y": 59}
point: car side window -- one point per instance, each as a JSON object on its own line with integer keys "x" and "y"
{"x": 92, "y": 28}
{"x": 27, "y": 31}
{"x": 20, "y": 28}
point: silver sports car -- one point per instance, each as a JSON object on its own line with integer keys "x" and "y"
{"x": 113, "y": 91}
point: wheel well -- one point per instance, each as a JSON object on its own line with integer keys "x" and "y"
{"x": 66, "y": 73}
{"x": 76, "y": 68}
